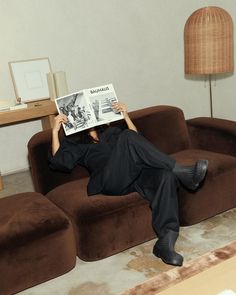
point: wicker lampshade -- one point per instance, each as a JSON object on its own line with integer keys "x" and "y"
{"x": 208, "y": 42}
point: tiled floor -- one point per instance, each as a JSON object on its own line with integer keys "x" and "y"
{"x": 113, "y": 275}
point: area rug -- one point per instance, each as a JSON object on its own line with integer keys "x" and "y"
{"x": 177, "y": 274}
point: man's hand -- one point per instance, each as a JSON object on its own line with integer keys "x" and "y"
{"x": 120, "y": 107}
{"x": 58, "y": 120}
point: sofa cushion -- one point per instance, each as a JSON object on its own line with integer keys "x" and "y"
{"x": 28, "y": 217}
{"x": 36, "y": 242}
{"x": 216, "y": 193}
{"x": 104, "y": 225}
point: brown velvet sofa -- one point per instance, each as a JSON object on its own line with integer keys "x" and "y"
{"x": 105, "y": 225}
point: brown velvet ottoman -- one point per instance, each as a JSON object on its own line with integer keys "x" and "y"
{"x": 103, "y": 225}
{"x": 36, "y": 242}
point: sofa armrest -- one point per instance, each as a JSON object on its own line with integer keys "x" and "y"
{"x": 217, "y": 135}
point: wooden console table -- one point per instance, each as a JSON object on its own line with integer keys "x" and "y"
{"x": 44, "y": 110}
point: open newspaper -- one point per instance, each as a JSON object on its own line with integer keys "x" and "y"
{"x": 88, "y": 108}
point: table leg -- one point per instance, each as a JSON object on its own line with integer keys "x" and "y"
{"x": 47, "y": 122}
{"x": 1, "y": 183}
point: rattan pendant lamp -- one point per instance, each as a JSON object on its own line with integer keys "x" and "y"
{"x": 208, "y": 44}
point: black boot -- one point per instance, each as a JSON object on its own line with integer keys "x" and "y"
{"x": 164, "y": 249}
{"x": 191, "y": 176}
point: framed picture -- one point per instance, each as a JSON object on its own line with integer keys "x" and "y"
{"x": 30, "y": 78}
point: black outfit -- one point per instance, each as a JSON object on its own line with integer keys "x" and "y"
{"x": 122, "y": 162}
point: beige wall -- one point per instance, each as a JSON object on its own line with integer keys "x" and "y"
{"x": 135, "y": 44}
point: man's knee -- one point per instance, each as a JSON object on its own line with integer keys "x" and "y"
{"x": 129, "y": 134}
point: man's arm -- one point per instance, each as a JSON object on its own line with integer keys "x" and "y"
{"x": 58, "y": 120}
{"x": 120, "y": 107}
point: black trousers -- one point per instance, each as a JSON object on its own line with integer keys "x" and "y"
{"x": 137, "y": 165}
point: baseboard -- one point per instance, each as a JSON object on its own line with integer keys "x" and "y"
{"x": 15, "y": 171}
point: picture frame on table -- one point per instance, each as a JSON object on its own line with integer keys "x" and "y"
{"x": 29, "y": 79}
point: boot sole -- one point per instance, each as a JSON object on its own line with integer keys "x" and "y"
{"x": 175, "y": 263}
{"x": 201, "y": 170}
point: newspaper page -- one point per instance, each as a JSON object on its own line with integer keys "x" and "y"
{"x": 101, "y": 99}
{"x": 88, "y": 108}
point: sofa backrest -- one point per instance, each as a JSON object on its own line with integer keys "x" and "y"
{"x": 164, "y": 126}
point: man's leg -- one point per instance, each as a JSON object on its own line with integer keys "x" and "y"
{"x": 159, "y": 187}
{"x": 134, "y": 152}
{"x": 130, "y": 156}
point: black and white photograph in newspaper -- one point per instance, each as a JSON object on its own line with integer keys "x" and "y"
{"x": 101, "y": 98}
{"x": 80, "y": 116}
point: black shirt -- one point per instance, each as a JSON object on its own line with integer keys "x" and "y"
{"x": 92, "y": 156}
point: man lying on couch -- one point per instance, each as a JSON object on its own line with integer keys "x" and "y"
{"x": 123, "y": 161}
